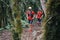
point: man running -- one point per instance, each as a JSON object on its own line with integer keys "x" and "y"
{"x": 30, "y": 16}
{"x": 39, "y": 16}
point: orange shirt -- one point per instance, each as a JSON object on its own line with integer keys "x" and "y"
{"x": 39, "y": 14}
{"x": 29, "y": 17}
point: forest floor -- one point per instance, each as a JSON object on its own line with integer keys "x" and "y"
{"x": 36, "y": 34}
{"x": 5, "y": 35}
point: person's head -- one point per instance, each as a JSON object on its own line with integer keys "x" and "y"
{"x": 29, "y": 8}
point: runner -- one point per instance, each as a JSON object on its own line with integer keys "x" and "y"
{"x": 30, "y": 16}
{"x": 39, "y": 16}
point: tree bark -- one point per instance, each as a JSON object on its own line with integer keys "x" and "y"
{"x": 16, "y": 17}
{"x": 52, "y": 21}
{"x": 43, "y": 4}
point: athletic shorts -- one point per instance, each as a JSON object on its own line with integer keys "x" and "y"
{"x": 30, "y": 21}
{"x": 39, "y": 20}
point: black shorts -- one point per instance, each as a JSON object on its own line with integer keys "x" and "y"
{"x": 30, "y": 21}
{"x": 39, "y": 20}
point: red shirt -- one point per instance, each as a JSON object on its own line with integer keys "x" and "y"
{"x": 39, "y": 14}
{"x": 29, "y": 17}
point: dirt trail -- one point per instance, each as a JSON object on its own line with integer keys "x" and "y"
{"x": 5, "y": 35}
{"x": 37, "y": 33}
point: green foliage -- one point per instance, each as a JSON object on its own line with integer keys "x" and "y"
{"x": 24, "y": 23}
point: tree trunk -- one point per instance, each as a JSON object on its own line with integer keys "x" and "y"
{"x": 16, "y": 17}
{"x": 43, "y": 4}
{"x": 52, "y": 21}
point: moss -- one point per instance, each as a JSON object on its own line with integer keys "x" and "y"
{"x": 52, "y": 26}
